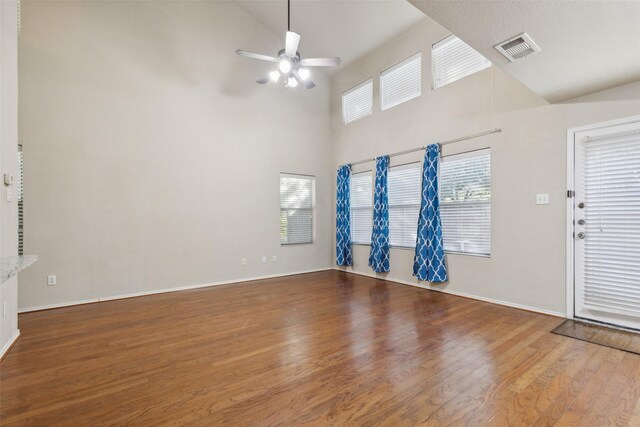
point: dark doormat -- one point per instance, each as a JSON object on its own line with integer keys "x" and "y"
{"x": 608, "y": 337}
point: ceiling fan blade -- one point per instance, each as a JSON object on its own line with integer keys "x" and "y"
{"x": 308, "y": 84}
{"x": 291, "y": 45}
{"x": 263, "y": 80}
{"x": 256, "y": 56}
{"x": 320, "y": 62}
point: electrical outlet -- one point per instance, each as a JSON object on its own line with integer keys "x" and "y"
{"x": 264, "y": 259}
{"x": 9, "y": 195}
{"x": 51, "y": 280}
{"x": 243, "y": 262}
{"x": 274, "y": 258}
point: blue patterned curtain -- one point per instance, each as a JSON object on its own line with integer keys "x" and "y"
{"x": 429, "y": 262}
{"x": 379, "y": 255}
{"x": 343, "y": 216}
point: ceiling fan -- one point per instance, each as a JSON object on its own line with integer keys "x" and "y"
{"x": 292, "y": 68}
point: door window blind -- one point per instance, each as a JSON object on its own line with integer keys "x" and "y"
{"x": 357, "y": 102}
{"x": 453, "y": 59}
{"x": 465, "y": 202}
{"x": 401, "y": 82}
{"x": 612, "y": 224}
{"x": 404, "y": 185}
{"x": 361, "y": 207}
{"x": 297, "y": 209}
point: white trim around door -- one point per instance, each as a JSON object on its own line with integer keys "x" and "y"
{"x": 571, "y": 167}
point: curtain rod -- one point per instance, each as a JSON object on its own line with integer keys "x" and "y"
{"x": 464, "y": 138}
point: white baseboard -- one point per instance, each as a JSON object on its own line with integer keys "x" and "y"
{"x": 461, "y": 294}
{"x": 9, "y": 343}
{"x": 162, "y": 291}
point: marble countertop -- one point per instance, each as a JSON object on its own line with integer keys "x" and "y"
{"x": 12, "y": 265}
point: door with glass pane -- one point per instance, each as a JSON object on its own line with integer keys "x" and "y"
{"x": 607, "y": 225}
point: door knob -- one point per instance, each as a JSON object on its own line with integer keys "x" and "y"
{"x": 581, "y": 205}
{"x": 581, "y": 235}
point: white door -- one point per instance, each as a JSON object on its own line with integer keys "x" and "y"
{"x": 607, "y": 225}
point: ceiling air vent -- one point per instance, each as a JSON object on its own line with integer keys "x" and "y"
{"x": 517, "y": 47}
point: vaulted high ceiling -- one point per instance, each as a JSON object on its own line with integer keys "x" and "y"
{"x": 345, "y": 28}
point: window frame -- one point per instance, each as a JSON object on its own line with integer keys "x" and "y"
{"x": 434, "y": 85}
{"x": 470, "y": 153}
{"x": 360, "y": 85}
{"x": 419, "y": 164}
{"x": 312, "y": 209}
{"x": 392, "y": 68}
{"x": 370, "y": 208}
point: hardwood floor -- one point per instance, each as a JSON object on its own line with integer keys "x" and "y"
{"x": 325, "y": 348}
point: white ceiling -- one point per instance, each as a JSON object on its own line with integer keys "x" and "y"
{"x": 345, "y": 28}
{"x": 587, "y": 46}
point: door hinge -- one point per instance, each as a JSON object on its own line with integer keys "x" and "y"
{"x": 571, "y": 194}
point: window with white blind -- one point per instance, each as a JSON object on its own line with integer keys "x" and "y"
{"x": 357, "y": 102}
{"x": 465, "y": 202}
{"x": 20, "y": 198}
{"x": 453, "y": 59}
{"x": 404, "y": 192}
{"x": 297, "y": 209}
{"x": 401, "y": 82}
{"x": 361, "y": 207}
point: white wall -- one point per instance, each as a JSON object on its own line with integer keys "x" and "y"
{"x": 152, "y": 159}
{"x": 8, "y": 160}
{"x": 527, "y": 263}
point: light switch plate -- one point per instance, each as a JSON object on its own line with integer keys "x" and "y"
{"x": 542, "y": 199}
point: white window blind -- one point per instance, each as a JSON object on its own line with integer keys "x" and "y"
{"x": 20, "y": 198}
{"x": 297, "y": 206}
{"x": 465, "y": 202}
{"x": 361, "y": 207}
{"x": 404, "y": 191}
{"x": 612, "y": 224}
{"x": 453, "y": 59}
{"x": 357, "y": 102}
{"x": 401, "y": 82}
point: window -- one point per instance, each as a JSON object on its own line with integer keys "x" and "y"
{"x": 20, "y": 198}
{"x": 401, "y": 82}
{"x": 361, "y": 207}
{"x": 297, "y": 206}
{"x": 465, "y": 202}
{"x": 405, "y": 188}
{"x": 357, "y": 102}
{"x": 453, "y": 59}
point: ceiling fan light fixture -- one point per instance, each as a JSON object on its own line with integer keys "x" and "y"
{"x": 284, "y": 66}
{"x": 274, "y": 76}
{"x": 303, "y": 73}
{"x": 290, "y": 66}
